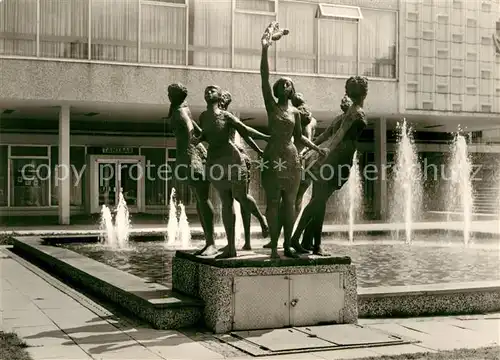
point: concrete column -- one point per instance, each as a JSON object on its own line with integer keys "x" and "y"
{"x": 380, "y": 201}
{"x": 64, "y": 184}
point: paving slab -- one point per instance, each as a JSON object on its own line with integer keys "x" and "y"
{"x": 427, "y": 341}
{"x": 20, "y": 318}
{"x": 349, "y": 334}
{"x": 58, "y": 352}
{"x": 174, "y": 345}
{"x": 400, "y": 349}
{"x": 468, "y": 338}
{"x": 343, "y": 354}
{"x": 46, "y": 335}
{"x": 129, "y": 350}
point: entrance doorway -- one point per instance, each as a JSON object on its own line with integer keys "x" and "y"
{"x": 112, "y": 174}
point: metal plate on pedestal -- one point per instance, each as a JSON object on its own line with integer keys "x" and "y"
{"x": 261, "y": 302}
{"x": 316, "y": 299}
{"x": 282, "y": 339}
{"x": 349, "y": 334}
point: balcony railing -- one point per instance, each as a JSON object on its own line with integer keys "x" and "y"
{"x": 222, "y": 34}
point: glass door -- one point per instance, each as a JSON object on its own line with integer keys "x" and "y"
{"x": 107, "y": 183}
{"x": 128, "y": 181}
{"x": 112, "y": 174}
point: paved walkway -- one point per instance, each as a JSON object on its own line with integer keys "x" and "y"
{"x": 59, "y": 323}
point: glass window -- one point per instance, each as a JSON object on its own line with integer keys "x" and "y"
{"x": 77, "y": 175}
{"x": 256, "y": 5}
{"x": 378, "y": 44}
{"x": 30, "y": 182}
{"x": 69, "y": 39}
{"x": 18, "y": 27}
{"x": 114, "y": 30}
{"x": 338, "y": 46}
{"x": 163, "y": 34}
{"x": 210, "y": 33}
{"x": 4, "y": 183}
{"x": 297, "y": 53}
{"x": 248, "y": 31}
{"x": 29, "y": 151}
{"x": 156, "y": 175}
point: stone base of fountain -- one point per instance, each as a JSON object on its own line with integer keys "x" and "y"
{"x": 252, "y": 291}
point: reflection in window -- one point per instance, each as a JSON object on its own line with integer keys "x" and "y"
{"x": 378, "y": 44}
{"x": 18, "y": 27}
{"x": 163, "y": 34}
{"x": 338, "y": 46}
{"x": 76, "y": 173}
{"x": 30, "y": 179}
{"x": 256, "y": 5}
{"x": 247, "y": 34}
{"x": 114, "y": 30}
{"x": 210, "y": 33}
{"x": 156, "y": 175}
{"x": 297, "y": 53}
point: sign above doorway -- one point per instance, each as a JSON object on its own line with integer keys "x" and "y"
{"x": 113, "y": 150}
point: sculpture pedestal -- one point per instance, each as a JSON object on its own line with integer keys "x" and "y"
{"x": 253, "y": 291}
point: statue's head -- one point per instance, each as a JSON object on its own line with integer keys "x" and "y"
{"x": 213, "y": 94}
{"x": 177, "y": 93}
{"x": 356, "y": 87}
{"x": 298, "y": 99}
{"x": 283, "y": 88}
{"x": 345, "y": 103}
{"x": 225, "y": 100}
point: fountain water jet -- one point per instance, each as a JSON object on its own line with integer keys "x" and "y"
{"x": 407, "y": 186}
{"x": 305, "y": 200}
{"x": 178, "y": 232}
{"x": 355, "y": 194}
{"x": 239, "y": 231}
{"x": 172, "y": 224}
{"x": 184, "y": 233}
{"x": 107, "y": 229}
{"x": 116, "y": 236}
{"x": 460, "y": 193}
{"x": 350, "y": 197}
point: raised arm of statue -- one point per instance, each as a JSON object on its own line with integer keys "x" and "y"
{"x": 247, "y": 132}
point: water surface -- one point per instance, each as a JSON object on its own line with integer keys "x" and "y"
{"x": 379, "y": 262}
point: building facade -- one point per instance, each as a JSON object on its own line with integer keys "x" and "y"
{"x": 83, "y": 85}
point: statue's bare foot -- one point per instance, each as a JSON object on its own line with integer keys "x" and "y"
{"x": 208, "y": 250}
{"x": 265, "y": 232}
{"x": 247, "y": 247}
{"x": 274, "y": 254}
{"x": 269, "y": 245}
{"x": 319, "y": 251}
{"x": 227, "y": 253}
{"x": 299, "y": 249}
{"x": 289, "y": 252}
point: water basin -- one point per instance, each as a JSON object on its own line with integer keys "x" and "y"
{"x": 379, "y": 261}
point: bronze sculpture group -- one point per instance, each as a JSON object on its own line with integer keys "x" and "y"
{"x": 290, "y": 147}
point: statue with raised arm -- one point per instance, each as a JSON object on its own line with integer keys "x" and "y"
{"x": 225, "y": 101}
{"x": 342, "y": 146}
{"x": 310, "y": 160}
{"x": 190, "y": 162}
{"x": 226, "y": 168}
{"x": 308, "y": 123}
{"x": 281, "y": 176}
